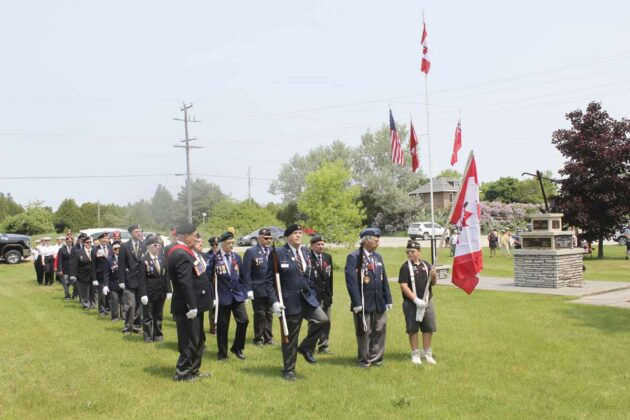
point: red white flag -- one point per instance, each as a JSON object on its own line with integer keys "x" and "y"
{"x": 425, "y": 66}
{"x": 457, "y": 143}
{"x": 413, "y": 148}
{"x": 466, "y": 215}
{"x": 397, "y": 151}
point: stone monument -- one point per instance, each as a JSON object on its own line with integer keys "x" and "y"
{"x": 547, "y": 257}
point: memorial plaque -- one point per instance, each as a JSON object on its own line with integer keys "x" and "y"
{"x": 564, "y": 242}
{"x": 536, "y": 242}
{"x": 555, "y": 224}
{"x": 540, "y": 225}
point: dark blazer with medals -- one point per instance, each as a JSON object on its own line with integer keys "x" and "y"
{"x": 99, "y": 259}
{"x": 152, "y": 280}
{"x": 254, "y": 270}
{"x": 230, "y": 283}
{"x": 201, "y": 283}
{"x": 323, "y": 278}
{"x": 375, "y": 285}
{"x": 81, "y": 265}
{"x": 130, "y": 263}
{"x": 297, "y": 288}
{"x": 181, "y": 269}
{"x": 111, "y": 274}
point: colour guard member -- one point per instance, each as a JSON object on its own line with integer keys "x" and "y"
{"x": 36, "y": 252}
{"x": 129, "y": 266}
{"x": 370, "y": 298}
{"x": 60, "y": 243}
{"x": 203, "y": 288}
{"x": 153, "y": 290}
{"x": 64, "y": 256}
{"x": 255, "y": 264}
{"x": 323, "y": 281}
{"x": 291, "y": 263}
{"x": 100, "y": 253}
{"x": 47, "y": 259}
{"x": 232, "y": 296}
{"x": 82, "y": 272}
{"x": 184, "y": 305}
{"x": 418, "y": 307}
{"x": 111, "y": 287}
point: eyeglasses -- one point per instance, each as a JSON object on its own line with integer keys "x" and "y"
{"x": 410, "y": 251}
{"x": 267, "y": 238}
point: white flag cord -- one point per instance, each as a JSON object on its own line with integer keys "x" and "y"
{"x": 425, "y": 295}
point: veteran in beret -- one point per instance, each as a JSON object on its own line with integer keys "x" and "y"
{"x": 130, "y": 267}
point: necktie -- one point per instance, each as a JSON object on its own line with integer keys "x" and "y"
{"x": 104, "y": 248}
{"x": 87, "y": 251}
{"x": 319, "y": 259}
{"x": 299, "y": 262}
{"x": 135, "y": 247}
{"x": 156, "y": 263}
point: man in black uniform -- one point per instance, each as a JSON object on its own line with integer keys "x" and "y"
{"x": 129, "y": 266}
{"x": 154, "y": 290}
{"x": 82, "y": 272}
{"x": 255, "y": 264}
{"x": 64, "y": 255}
{"x": 99, "y": 259}
{"x": 183, "y": 273}
{"x": 112, "y": 288}
{"x": 323, "y": 281}
{"x": 295, "y": 269}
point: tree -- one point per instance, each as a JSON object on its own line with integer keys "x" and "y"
{"x": 34, "y": 220}
{"x": 204, "y": 196}
{"x": 503, "y": 190}
{"x": 244, "y": 217}
{"x": 528, "y": 190}
{"x": 594, "y": 193}
{"x": 68, "y": 217}
{"x": 8, "y": 207}
{"x": 331, "y": 203}
{"x": 90, "y": 215}
{"x": 163, "y": 208}
{"x": 449, "y": 173}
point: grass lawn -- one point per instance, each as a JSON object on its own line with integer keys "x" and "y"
{"x": 500, "y": 355}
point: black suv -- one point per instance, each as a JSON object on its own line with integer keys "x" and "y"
{"x": 14, "y": 247}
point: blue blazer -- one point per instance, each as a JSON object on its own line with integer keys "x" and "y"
{"x": 230, "y": 284}
{"x": 376, "y": 292}
{"x": 297, "y": 289}
{"x": 255, "y": 266}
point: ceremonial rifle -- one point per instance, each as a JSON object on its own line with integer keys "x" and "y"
{"x": 284, "y": 329}
{"x": 361, "y": 329}
{"x": 215, "y": 318}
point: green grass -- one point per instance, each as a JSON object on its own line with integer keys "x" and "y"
{"x": 614, "y": 267}
{"x": 500, "y": 355}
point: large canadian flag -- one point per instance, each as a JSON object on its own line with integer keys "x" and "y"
{"x": 466, "y": 215}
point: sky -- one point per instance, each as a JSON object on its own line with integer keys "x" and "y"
{"x": 90, "y": 89}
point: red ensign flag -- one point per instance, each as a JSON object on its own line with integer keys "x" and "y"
{"x": 457, "y": 142}
{"x": 413, "y": 148}
{"x": 426, "y": 61}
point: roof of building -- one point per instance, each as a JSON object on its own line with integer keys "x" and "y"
{"x": 439, "y": 185}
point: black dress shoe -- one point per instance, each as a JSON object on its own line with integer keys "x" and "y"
{"x": 126, "y": 331}
{"x": 258, "y": 343}
{"x": 159, "y": 338}
{"x": 184, "y": 378}
{"x": 308, "y": 356}
{"x": 148, "y": 340}
{"x": 239, "y": 354}
{"x": 289, "y": 376}
{"x": 270, "y": 343}
{"x": 137, "y": 330}
{"x": 222, "y": 359}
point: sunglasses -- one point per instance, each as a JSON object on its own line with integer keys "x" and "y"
{"x": 267, "y": 238}
{"x": 411, "y": 251}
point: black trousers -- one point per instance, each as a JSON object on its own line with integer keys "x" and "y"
{"x": 49, "y": 270}
{"x": 223, "y": 325}
{"x": 115, "y": 304}
{"x": 102, "y": 299}
{"x": 190, "y": 343}
{"x": 294, "y": 323}
{"x": 39, "y": 271}
{"x": 263, "y": 319}
{"x": 87, "y": 294}
{"x": 152, "y": 314}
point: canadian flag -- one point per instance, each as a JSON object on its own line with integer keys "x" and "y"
{"x": 425, "y": 65}
{"x": 413, "y": 148}
{"x": 466, "y": 215}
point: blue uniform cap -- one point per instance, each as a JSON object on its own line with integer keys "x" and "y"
{"x": 371, "y": 232}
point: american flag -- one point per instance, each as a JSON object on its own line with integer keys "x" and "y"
{"x": 413, "y": 148}
{"x": 397, "y": 152}
{"x": 426, "y": 61}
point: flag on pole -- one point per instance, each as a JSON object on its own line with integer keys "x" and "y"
{"x": 425, "y": 66}
{"x": 466, "y": 214}
{"x": 397, "y": 151}
{"x": 457, "y": 143}
{"x": 413, "y": 149}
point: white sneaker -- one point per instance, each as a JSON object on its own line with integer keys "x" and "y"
{"x": 415, "y": 357}
{"x": 428, "y": 356}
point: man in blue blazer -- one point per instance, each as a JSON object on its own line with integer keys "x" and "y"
{"x": 295, "y": 269}
{"x": 129, "y": 268}
{"x": 370, "y": 298}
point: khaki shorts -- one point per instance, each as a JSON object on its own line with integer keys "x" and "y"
{"x": 428, "y": 322}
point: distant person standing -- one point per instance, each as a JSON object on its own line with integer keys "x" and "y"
{"x": 627, "y": 234}
{"x": 36, "y": 252}
{"x": 129, "y": 266}
{"x": 100, "y": 253}
{"x": 493, "y": 242}
{"x": 153, "y": 290}
{"x": 111, "y": 286}
{"x": 323, "y": 282}
{"x": 505, "y": 242}
{"x": 48, "y": 261}
{"x": 64, "y": 256}
{"x": 454, "y": 237}
{"x": 82, "y": 272}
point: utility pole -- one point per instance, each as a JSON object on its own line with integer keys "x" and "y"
{"x": 187, "y": 141}
{"x": 249, "y": 185}
{"x": 98, "y": 213}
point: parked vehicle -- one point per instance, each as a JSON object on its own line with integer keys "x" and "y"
{"x": 95, "y": 233}
{"x": 14, "y": 247}
{"x": 620, "y": 235}
{"x": 251, "y": 239}
{"x": 424, "y": 230}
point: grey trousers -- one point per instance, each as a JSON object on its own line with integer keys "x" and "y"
{"x": 294, "y": 323}
{"x": 132, "y": 309}
{"x": 115, "y": 304}
{"x": 65, "y": 283}
{"x": 322, "y": 343}
{"x": 87, "y": 294}
{"x": 371, "y": 344}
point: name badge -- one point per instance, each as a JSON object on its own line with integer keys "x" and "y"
{"x": 284, "y": 265}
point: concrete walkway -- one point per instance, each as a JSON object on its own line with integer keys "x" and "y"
{"x": 602, "y": 293}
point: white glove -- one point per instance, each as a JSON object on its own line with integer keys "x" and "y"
{"x": 73, "y": 278}
{"x": 388, "y": 307}
{"x": 121, "y": 285}
{"x": 95, "y": 283}
{"x": 105, "y": 290}
{"x": 192, "y": 314}
{"x": 250, "y": 295}
{"x": 277, "y": 308}
{"x": 169, "y": 296}
{"x": 144, "y": 300}
{"x": 421, "y": 304}
{"x": 357, "y": 309}
{"x": 214, "y": 303}
{"x": 246, "y": 301}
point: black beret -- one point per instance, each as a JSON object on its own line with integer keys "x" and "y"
{"x": 264, "y": 232}
{"x": 226, "y": 236}
{"x": 116, "y": 244}
{"x": 292, "y": 228}
{"x": 153, "y": 239}
{"x": 370, "y": 232}
{"x": 82, "y": 235}
{"x": 185, "y": 228}
{"x": 413, "y": 245}
{"x": 213, "y": 240}
{"x": 134, "y": 227}
{"x": 316, "y": 238}
{"x": 102, "y": 235}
